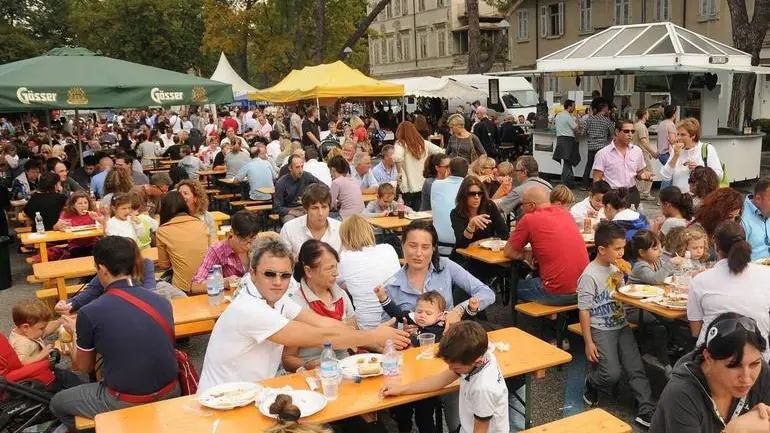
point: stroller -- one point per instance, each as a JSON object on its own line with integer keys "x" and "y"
{"x": 24, "y": 404}
{"x": 24, "y": 398}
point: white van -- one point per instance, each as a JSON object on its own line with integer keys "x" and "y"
{"x": 517, "y": 96}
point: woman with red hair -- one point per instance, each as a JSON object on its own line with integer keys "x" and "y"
{"x": 411, "y": 152}
{"x": 724, "y": 204}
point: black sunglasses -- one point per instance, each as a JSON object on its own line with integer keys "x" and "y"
{"x": 273, "y": 274}
{"x": 726, "y": 327}
{"x": 627, "y": 131}
{"x": 475, "y": 193}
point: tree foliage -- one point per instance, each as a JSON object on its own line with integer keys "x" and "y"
{"x": 31, "y": 27}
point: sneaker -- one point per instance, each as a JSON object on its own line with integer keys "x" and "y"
{"x": 591, "y": 395}
{"x": 644, "y": 419}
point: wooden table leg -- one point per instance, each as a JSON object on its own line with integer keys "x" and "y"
{"x": 43, "y": 252}
{"x": 61, "y": 288}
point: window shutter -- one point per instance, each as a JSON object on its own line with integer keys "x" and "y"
{"x": 561, "y": 18}
{"x": 704, "y": 8}
{"x": 543, "y": 21}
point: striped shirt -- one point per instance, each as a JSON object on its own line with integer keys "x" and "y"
{"x": 599, "y": 130}
{"x": 220, "y": 254}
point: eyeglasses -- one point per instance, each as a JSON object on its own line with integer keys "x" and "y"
{"x": 726, "y": 327}
{"x": 475, "y": 193}
{"x": 273, "y": 275}
{"x": 627, "y": 131}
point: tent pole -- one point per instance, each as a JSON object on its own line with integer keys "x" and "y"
{"x": 318, "y": 106}
{"x": 77, "y": 134}
{"x": 403, "y": 108}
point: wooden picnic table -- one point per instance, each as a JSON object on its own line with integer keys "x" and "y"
{"x": 219, "y": 218}
{"x": 203, "y": 175}
{"x": 60, "y": 270}
{"x": 266, "y": 190}
{"x": 393, "y": 222}
{"x": 475, "y": 251}
{"x": 196, "y": 308}
{"x": 528, "y": 356}
{"x": 40, "y": 241}
{"x": 170, "y": 162}
{"x": 656, "y": 309}
{"x": 369, "y": 197}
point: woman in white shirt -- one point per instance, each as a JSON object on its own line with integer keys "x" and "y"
{"x": 410, "y": 155}
{"x": 733, "y": 285}
{"x": 687, "y": 154}
{"x": 364, "y": 265}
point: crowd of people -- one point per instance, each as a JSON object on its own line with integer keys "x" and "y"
{"x": 314, "y": 282}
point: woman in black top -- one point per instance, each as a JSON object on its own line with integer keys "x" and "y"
{"x": 476, "y": 217}
{"x": 46, "y": 200}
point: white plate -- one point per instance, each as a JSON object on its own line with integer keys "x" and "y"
{"x": 248, "y": 393}
{"x": 492, "y": 244}
{"x": 641, "y": 291}
{"x": 308, "y": 402}
{"x": 671, "y": 281}
{"x": 417, "y": 215}
{"x": 350, "y": 364}
{"x": 588, "y": 237}
{"x": 662, "y": 303}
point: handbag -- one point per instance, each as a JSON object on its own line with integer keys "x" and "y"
{"x": 188, "y": 377}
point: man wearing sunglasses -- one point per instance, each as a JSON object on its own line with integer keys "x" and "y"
{"x": 621, "y": 164}
{"x": 756, "y": 219}
{"x": 248, "y": 339}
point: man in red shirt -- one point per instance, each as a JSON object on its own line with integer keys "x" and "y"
{"x": 557, "y": 246}
{"x": 230, "y": 122}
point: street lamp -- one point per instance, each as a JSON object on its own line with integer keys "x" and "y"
{"x": 503, "y": 25}
{"x": 347, "y": 52}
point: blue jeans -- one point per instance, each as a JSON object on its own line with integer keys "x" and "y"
{"x": 663, "y": 158}
{"x": 533, "y": 290}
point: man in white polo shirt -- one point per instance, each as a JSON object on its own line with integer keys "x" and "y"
{"x": 248, "y": 339}
{"x": 315, "y": 224}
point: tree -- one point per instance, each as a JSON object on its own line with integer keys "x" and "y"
{"x": 477, "y": 63}
{"x": 31, "y": 27}
{"x": 748, "y": 36}
{"x": 362, "y": 27}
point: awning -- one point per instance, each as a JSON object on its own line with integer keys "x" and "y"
{"x": 432, "y": 87}
{"x": 225, "y": 73}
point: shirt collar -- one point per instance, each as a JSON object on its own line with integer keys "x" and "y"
{"x": 312, "y": 297}
{"x": 123, "y": 283}
{"x": 480, "y": 368}
{"x": 751, "y": 207}
{"x": 630, "y": 145}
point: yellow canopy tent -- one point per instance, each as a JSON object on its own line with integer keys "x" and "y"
{"x": 332, "y": 80}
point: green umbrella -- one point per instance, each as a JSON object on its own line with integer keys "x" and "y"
{"x": 73, "y": 78}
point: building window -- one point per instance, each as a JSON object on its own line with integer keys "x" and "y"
{"x": 420, "y": 5}
{"x": 585, "y": 16}
{"x": 391, "y": 49}
{"x": 622, "y": 85}
{"x": 423, "y": 44}
{"x": 552, "y": 85}
{"x": 622, "y": 12}
{"x": 404, "y": 7}
{"x": 399, "y": 49}
{"x": 439, "y": 3}
{"x": 442, "y": 43}
{"x": 662, "y": 10}
{"x": 389, "y": 11}
{"x": 709, "y": 9}
{"x": 383, "y": 51}
{"x": 396, "y": 9}
{"x": 522, "y": 24}
{"x": 552, "y": 20}
{"x": 405, "y": 43}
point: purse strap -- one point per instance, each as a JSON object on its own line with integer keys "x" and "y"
{"x": 147, "y": 308}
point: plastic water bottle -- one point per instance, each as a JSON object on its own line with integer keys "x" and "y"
{"x": 212, "y": 288}
{"x": 39, "y": 226}
{"x": 220, "y": 283}
{"x": 391, "y": 369}
{"x": 23, "y": 192}
{"x": 330, "y": 372}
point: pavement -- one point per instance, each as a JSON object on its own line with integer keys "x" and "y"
{"x": 555, "y": 396}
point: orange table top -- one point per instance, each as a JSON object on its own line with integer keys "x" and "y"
{"x": 528, "y": 354}
{"x": 485, "y": 255}
{"x": 266, "y": 190}
{"x": 656, "y": 309}
{"x": 58, "y": 236}
{"x": 392, "y": 222}
{"x": 211, "y": 172}
{"x": 71, "y": 268}
{"x": 196, "y": 308}
{"x": 228, "y": 180}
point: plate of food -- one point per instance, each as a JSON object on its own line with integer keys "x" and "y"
{"x": 230, "y": 395}
{"x": 83, "y": 228}
{"x": 493, "y": 244}
{"x": 641, "y": 291}
{"x": 308, "y": 403}
{"x": 674, "y": 301}
{"x": 362, "y": 365}
{"x": 765, "y": 262}
{"x": 417, "y": 215}
{"x": 677, "y": 281}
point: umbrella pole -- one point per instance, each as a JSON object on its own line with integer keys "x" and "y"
{"x": 403, "y": 108}
{"x": 318, "y": 106}
{"x": 77, "y": 134}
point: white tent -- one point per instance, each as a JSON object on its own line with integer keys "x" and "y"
{"x": 226, "y": 74}
{"x": 432, "y": 87}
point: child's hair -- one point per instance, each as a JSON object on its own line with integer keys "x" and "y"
{"x": 385, "y": 189}
{"x": 562, "y": 194}
{"x": 643, "y": 240}
{"x": 505, "y": 168}
{"x": 675, "y": 242}
{"x": 69, "y": 207}
{"x": 682, "y": 202}
{"x": 30, "y": 311}
{"x": 696, "y": 232}
{"x": 434, "y": 298}
{"x": 607, "y": 232}
{"x": 185, "y": 150}
{"x": 120, "y": 199}
{"x": 463, "y": 343}
{"x": 600, "y": 187}
{"x": 617, "y": 198}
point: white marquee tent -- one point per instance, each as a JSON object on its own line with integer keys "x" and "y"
{"x": 432, "y": 87}
{"x": 226, "y": 74}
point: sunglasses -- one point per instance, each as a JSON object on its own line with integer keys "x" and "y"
{"x": 475, "y": 193}
{"x": 273, "y": 274}
{"x": 627, "y": 131}
{"x": 726, "y": 327}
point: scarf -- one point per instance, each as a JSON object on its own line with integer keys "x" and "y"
{"x": 320, "y": 308}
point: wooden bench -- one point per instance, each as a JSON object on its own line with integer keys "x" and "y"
{"x": 592, "y": 421}
{"x": 575, "y": 328}
{"x": 242, "y": 203}
{"x": 259, "y": 207}
{"x": 533, "y": 309}
{"x": 193, "y": 328}
{"x": 82, "y": 423}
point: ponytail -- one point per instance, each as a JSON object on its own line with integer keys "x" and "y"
{"x": 731, "y": 241}
{"x": 617, "y": 198}
{"x": 682, "y": 202}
